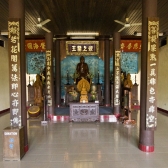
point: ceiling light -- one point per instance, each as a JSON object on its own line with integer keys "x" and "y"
{"x": 6, "y": 33}
{"x": 137, "y": 34}
{"x": 82, "y": 37}
{"x": 82, "y": 33}
{"x": 161, "y": 34}
{"x": 140, "y": 34}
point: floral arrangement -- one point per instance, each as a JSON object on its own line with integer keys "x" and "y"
{"x": 75, "y": 75}
{"x": 93, "y": 95}
{"x": 90, "y": 75}
{"x": 74, "y": 94}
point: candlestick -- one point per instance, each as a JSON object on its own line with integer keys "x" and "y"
{"x": 29, "y": 81}
{"x": 98, "y": 78}
{"x": 67, "y": 77}
{"x": 135, "y": 80}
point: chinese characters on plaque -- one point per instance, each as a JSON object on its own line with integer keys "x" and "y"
{"x": 14, "y": 72}
{"x": 48, "y": 77}
{"x": 130, "y": 45}
{"x": 117, "y": 78}
{"x": 82, "y": 47}
{"x": 152, "y": 64}
{"x": 35, "y": 45}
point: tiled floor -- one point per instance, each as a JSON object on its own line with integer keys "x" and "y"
{"x": 90, "y": 145}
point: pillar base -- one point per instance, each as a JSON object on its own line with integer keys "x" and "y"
{"x": 146, "y": 148}
{"x": 117, "y": 115}
{"x": 107, "y": 105}
{"x": 26, "y": 148}
{"x": 50, "y": 116}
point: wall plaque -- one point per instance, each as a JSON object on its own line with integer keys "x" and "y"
{"x": 82, "y": 47}
{"x": 130, "y": 45}
{"x": 35, "y": 45}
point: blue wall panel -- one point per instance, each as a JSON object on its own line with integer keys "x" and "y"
{"x": 35, "y": 62}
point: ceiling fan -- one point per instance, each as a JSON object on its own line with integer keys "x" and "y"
{"x": 127, "y": 24}
{"x": 40, "y": 24}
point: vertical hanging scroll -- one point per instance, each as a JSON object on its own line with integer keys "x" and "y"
{"x": 14, "y": 72}
{"x": 152, "y": 68}
{"x": 48, "y": 77}
{"x": 117, "y": 79}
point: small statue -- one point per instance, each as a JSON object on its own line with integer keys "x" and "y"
{"x": 38, "y": 91}
{"x": 82, "y": 70}
{"x": 73, "y": 93}
{"x": 128, "y": 82}
{"x": 84, "y": 87}
{"x": 93, "y": 92}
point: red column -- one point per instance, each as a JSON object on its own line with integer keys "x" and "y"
{"x": 57, "y": 74}
{"x": 49, "y": 75}
{"x": 116, "y": 74}
{"x": 107, "y": 73}
{"x": 146, "y": 139}
{"x": 17, "y": 10}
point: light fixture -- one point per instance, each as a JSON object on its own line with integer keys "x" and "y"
{"x": 140, "y": 34}
{"x": 28, "y": 32}
{"x": 82, "y": 33}
{"x": 161, "y": 34}
{"x": 137, "y": 34}
{"x": 5, "y": 33}
{"x": 82, "y": 37}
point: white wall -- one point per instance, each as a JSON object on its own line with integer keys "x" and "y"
{"x": 4, "y": 76}
{"x": 163, "y": 78}
{"x": 4, "y": 121}
{"x": 138, "y": 75}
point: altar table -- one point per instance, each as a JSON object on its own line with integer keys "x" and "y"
{"x": 84, "y": 112}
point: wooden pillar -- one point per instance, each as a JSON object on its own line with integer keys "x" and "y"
{"x": 57, "y": 74}
{"x": 146, "y": 140}
{"x": 116, "y": 74}
{"x": 49, "y": 75}
{"x": 17, "y": 10}
{"x": 107, "y": 73}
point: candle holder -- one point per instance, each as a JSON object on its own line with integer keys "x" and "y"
{"x": 98, "y": 78}
{"x": 68, "y": 78}
{"x": 135, "y": 80}
{"x": 29, "y": 81}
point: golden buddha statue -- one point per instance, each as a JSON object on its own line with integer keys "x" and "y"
{"x": 128, "y": 82}
{"x": 83, "y": 86}
{"x": 38, "y": 91}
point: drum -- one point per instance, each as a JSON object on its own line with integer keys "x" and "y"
{"x": 34, "y": 111}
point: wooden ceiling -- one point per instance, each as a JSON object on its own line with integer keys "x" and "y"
{"x": 84, "y": 16}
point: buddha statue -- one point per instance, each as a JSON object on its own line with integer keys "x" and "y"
{"x": 82, "y": 70}
{"x": 84, "y": 87}
{"x": 128, "y": 82}
{"x": 38, "y": 91}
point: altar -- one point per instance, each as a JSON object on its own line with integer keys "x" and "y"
{"x": 72, "y": 95}
{"x": 84, "y": 112}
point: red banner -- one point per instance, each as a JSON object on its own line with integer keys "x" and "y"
{"x": 130, "y": 45}
{"x": 35, "y": 45}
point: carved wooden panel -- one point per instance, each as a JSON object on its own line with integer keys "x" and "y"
{"x": 84, "y": 112}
